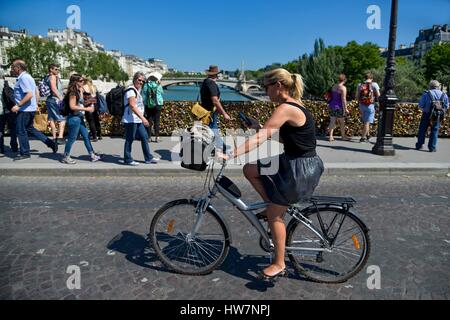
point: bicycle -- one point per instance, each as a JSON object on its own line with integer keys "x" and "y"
{"x": 325, "y": 241}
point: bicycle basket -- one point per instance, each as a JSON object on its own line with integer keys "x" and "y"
{"x": 197, "y": 145}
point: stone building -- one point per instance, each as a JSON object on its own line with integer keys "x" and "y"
{"x": 428, "y": 38}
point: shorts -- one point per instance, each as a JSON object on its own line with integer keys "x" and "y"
{"x": 52, "y": 110}
{"x": 367, "y": 113}
{"x": 336, "y": 113}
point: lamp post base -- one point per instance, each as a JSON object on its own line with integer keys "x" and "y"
{"x": 384, "y": 147}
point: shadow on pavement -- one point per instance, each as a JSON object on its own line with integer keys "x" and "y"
{"x": 345, "y": 148}
{"x": 138, "y": 251}
{"x": 164, "y": 154}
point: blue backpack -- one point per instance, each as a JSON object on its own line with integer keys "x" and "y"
{"x": 101, "y": 103}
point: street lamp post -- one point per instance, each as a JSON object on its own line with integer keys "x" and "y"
{"x": 388, "y": 99}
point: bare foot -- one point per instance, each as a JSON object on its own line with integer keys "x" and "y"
{"x": 273, "y": 270}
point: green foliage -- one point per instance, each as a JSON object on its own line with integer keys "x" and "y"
{"x": 437, "y": 64}
{"x": 321, "y": 69}
{"x": 39, "y": 53}
{"x": 358, "y": 59}
{"x": 409, "y": 79}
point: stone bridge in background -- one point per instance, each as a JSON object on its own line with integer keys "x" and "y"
{"x": 241, "y": 86}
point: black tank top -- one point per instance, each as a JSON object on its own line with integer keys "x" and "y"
{"x": 299, "y": 141}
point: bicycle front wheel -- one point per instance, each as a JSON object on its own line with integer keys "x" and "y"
{"x": 312, "y": 257}
{"x": 172, "y": 237}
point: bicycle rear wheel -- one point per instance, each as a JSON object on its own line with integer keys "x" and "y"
{"x": 171, "y": 237}
{"x": 344, "y": 259}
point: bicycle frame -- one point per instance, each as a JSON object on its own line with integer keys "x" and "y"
{"x": 249, "y": 213}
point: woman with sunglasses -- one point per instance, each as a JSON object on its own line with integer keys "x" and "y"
{"x": 75, "y": 119}
{"x": 134, "y": 121}
{"x": 292, "y": 176}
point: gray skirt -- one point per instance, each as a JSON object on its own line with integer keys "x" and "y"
{"x": 289, "y": 180}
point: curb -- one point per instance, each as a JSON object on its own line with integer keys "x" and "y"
{"x": 356, "y": 169}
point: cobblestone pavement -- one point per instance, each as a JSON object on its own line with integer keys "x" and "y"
{"x": 100, "y": 225}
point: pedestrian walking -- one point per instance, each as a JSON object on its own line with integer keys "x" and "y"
{"x": 367, "y": 94}
{"x": 152, "y": 93}
{"x": 26, "y": 98}
{"x": 431, "y": 101}
{"x": 92, "y": 118}
{"x": 6, "y": 116}
{"x": 134, "y": 121}
{"x": 74, "y": 105}
{"x": 338, "y": 108}
{"x": 210, "y": 98}
{"x": 56, "y": 96}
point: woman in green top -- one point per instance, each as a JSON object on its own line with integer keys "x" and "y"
{"x": 153, "y": 99}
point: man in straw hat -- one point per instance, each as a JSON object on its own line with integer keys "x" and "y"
{"x": 430, "y": 97}
{"x": 210, "y": 98}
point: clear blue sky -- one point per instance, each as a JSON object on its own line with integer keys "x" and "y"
{"x": 191, "y": 35}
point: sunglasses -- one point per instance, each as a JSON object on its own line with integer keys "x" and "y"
{"x": 266, "y": 86}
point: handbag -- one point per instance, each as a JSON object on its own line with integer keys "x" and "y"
{"x": 201, "y": 113}
{"x": 40, "y": 121}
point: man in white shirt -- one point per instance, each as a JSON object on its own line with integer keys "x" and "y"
{"x": 25, "y": 93}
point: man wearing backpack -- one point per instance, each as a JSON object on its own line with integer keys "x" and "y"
{"x": 432, "y": 101}
{"x": 367, "y": 94}
{"x": 6, "y": 116}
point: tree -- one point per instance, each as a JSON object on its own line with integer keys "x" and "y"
{"x": 437, "y": 63}
{"x": 320, "y": 70}
{"x": 358, "y": 59}
{"x": 37, "y": 53}
{"x": 409, "y": 79}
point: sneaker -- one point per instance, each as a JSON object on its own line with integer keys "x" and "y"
{"x": 153, "y": 161}
{"x": 132, "y": 163}
{"x": 95, "y": 158}
{"x": 363, "y": 140}
{"x": 68, "y": 160}
{"x": 22, "y": 157}
{"x": 433, "y": 150}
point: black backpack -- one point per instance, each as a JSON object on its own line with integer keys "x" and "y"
{"x": 8, "y": 96}
{"x": 114, "y": 100}
{"x": 437, "y": 111}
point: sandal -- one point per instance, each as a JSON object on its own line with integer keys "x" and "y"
{"x": 273, "y": 278}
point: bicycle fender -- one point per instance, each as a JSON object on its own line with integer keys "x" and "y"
{"x": 333, "y": 206}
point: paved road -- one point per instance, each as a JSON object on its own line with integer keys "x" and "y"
{"x": 99, "y": 225}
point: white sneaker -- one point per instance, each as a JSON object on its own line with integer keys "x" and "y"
{"x": 132, "y": 163}
{"x": 95, "y": 158}
{"x": 153, "y": 161}
{"x": 68, "y": 160}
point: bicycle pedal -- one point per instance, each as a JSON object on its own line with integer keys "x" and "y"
{"x": 261, "y": 217}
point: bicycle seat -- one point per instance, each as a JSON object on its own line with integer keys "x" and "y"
{"x": 332, "y": 200}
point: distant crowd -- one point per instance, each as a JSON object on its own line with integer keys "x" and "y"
{"x": 140, "y": 107}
